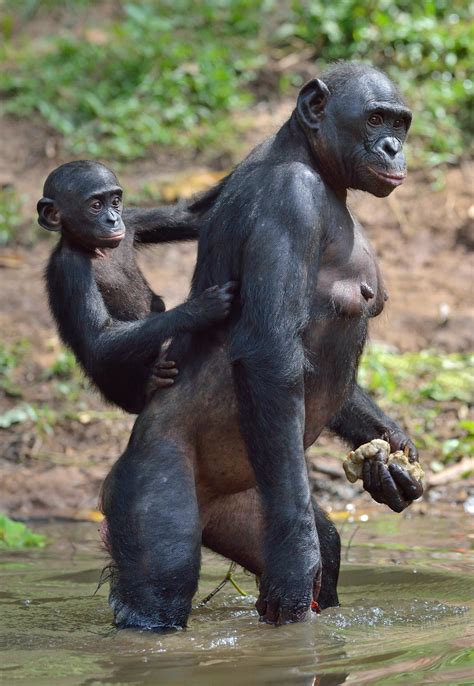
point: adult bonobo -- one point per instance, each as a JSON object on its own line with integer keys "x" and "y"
{"x": 104, "y": 308}
{"x": 220, "y": 459}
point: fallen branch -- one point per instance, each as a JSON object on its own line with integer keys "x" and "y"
{"x": 451, "y": 473}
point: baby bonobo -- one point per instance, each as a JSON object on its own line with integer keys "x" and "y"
{"x": 104, "y": 309}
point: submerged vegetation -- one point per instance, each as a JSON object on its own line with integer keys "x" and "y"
{"x": 176, "y": 72}
{"x": 17, "y": 536}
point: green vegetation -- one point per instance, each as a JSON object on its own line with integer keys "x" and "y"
{"x": 176, "y": 72}
{"x": 10, "y": 216}
{"x": 17, "y": 536}
{"x": 430, "y": 393}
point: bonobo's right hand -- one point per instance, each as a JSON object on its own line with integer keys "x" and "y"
{"x": 214, "y": 303}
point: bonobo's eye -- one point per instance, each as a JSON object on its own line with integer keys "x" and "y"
{"x": 116, "y": 201}
{"x": 398, "y": 123}
{"x": 95, "y": 206}
{"x": 375, "y": 120}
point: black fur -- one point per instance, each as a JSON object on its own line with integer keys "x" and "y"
{"x": 104, "y": 309}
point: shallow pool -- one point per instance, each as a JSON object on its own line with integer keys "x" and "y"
{"x": 406, "y": 617}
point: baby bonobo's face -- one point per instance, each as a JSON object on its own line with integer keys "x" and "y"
{"x": 91, "y": 211}
{"x": 83, "y": 200}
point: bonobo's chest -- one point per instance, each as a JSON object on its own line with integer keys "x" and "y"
{"x": 123, "y": 287}
{"x": 348, "y": 283}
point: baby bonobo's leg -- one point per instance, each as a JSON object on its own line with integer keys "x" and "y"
{"x": 234, "y": 528}
{"x": 153, "y": 534}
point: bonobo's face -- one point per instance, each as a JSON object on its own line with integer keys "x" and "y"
{"x": 360, "y": 134}
{"x": 85, "y": 203}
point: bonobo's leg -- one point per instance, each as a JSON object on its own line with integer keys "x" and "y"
{"x": 234, "y": 528}
{"x": 268, "y": 369}
{"x": 154, "y": 535}
{"x": 359, "y": 421}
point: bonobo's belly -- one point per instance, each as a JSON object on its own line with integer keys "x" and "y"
{"x": 200, "y": 412}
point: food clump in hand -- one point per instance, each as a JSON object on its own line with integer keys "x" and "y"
{"x": 355, "y": 459}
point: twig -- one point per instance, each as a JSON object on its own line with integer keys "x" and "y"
{"x": 451, "y": 473}
{"x": 350, "y": 542}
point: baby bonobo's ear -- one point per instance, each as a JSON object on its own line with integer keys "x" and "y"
{"x": 49, "y": 216}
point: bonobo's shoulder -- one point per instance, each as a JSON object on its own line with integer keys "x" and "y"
{"x": 300, "y": 175}
{"x": 65, "y": 259}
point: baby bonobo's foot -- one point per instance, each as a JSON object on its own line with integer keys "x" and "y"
{"x": 162, "y": 375}
{"x": 215, "y": 302}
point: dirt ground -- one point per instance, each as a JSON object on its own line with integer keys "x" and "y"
{"x": 423, "y": 236}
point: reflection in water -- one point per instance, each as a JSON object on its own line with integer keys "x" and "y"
{"x": 406, "y": 618}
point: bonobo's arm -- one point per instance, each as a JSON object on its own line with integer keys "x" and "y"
{"x": 161, "y": 224}
{"x": 359, "y": 421}
{"x": 119, "y": 356}
{"x": 267, "y": 360}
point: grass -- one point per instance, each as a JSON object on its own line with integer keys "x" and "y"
{"x": 430, "y": 393}
{"x": 178, "y": 73}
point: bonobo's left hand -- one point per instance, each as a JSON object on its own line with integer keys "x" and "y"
{"x": 392, "y": 485}
{"x": 162, "y": 375}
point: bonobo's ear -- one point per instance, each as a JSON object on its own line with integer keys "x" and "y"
{"x": 49, "y": 216}
{"x": 311, "y": 102}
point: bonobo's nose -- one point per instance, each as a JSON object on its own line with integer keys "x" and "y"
{"x": 112, "y": 218}
{"x": 389, "y": 146}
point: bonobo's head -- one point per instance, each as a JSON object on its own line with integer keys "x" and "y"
{"x": 356, "y": 123}
{"x": 83, "y": 200}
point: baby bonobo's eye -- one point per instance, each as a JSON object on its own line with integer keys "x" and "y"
{"x": 398, "y": 123}
{"x": 95, "y": 205}
{"x": 375, "y": 120}
{"x": 116, "y": 201}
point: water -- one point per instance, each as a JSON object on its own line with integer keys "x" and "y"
{"x": 407, "y": 597}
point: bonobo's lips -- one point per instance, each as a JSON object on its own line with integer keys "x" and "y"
{"x": 113, "y": 238}
{"x": 392, "y": 179}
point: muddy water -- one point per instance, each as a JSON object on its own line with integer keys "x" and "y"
{"x": 406, "y": 617}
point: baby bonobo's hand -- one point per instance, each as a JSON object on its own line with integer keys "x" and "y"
{"x": 215, "y": 302}
{"x": 162, "y": 375}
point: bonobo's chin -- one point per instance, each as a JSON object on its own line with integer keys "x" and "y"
{"x": 380, "y": 182}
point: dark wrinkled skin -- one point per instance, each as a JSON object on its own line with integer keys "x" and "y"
{"x": 104, "y": 309}
{"x": 219, "y": 458}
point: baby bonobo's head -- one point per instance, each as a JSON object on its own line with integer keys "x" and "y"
{"x": 83, "y": 200}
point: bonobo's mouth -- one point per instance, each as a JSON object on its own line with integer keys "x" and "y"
{"x": 392, "y": 179}
{"x": 114, "y": 238}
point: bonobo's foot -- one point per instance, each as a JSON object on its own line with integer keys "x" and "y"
{"x": 286, "y": 601}
{"x": 146, "y": 608}
{"x": 127, "y": 618}
{"x": 392, "y": 485}
{"x": 290, "y": 584}
{"x": 214, "y": 303}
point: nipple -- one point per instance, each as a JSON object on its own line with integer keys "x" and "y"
{"x": 366, "y": 291}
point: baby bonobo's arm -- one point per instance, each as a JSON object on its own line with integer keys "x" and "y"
{"x": 161, "y": 224}
{"x": 120, "y": 356}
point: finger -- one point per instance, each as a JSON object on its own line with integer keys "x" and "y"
{"x": 165, "y": 373}
{"x": 412, "y": 452}
{"x": 231, "y": 286}
{"x": 165, "y": 364}
{"x": 392, "y": 496}
{"x": 410, "y": 488}
{"x": 158, "y": 382}
{"x": 272, "y": 613}
{"x": 367, "y": 480}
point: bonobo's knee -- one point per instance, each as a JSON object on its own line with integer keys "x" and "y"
{"x": 330, "y": 544}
